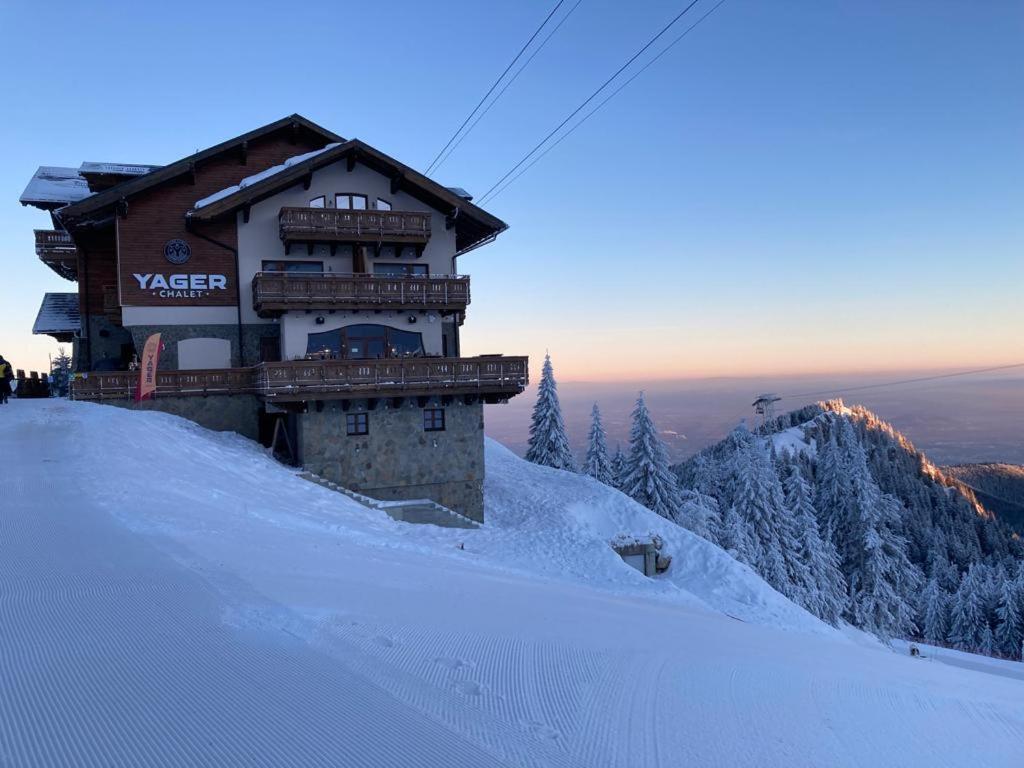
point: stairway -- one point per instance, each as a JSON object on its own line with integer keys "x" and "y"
{"x": 416, "y": 511}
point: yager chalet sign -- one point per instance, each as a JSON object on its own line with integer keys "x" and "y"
{"x": 181, "y": 286}
{"x": 175, "y": 271}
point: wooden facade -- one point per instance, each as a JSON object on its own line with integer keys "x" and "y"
{"x": 277, "y": 292}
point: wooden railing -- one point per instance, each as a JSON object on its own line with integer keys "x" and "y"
{"x": 327, "y": 379}
{"x": 299, "y": 380}
{"x": 120, "y": 385}
{"x": 274, "y": 292}
{"x": 57, "y": 251}
{"x": 342, "y": 225}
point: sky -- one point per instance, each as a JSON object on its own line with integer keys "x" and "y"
{"x": 796, "y": 188}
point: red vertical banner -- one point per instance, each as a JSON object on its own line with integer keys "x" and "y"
{"x": 148, "y": 367}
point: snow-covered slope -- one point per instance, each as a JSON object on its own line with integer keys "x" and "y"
{"x": 170, "y": 596}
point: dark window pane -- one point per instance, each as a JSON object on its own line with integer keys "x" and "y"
{"x": 433, "y": 419}
{"x": 357, "y": 424}
{"x": 400, "y": 270}
{"x": 293, "y": 266}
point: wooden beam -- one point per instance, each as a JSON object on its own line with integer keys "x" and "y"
{"x": 346, "y": 405}
{"x": 245, "y": 213}
{"x": 122, "y": 208}
{"x": 371, "y": 403}
{"x": 422, "y": 401}
{"x": 309, "y": 248}
{"x": 243, "y": 153}
{"x": 397, "y": 402}
{"x": 307, "y": 180}
{"x": 350, "y": 162}
{"x": 396, "y": 182}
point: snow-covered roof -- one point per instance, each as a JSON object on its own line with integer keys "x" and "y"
{"x": 116, "y": 169}
{"x": 58, "y": 314}
{"x": 265, "y": 174}
{"x": 53, "y": 184}
{"x": 460, "y": 192}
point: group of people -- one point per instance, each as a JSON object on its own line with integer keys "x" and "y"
{"x": 6, "y": 377}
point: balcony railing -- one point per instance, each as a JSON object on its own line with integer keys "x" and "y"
{"x": 276, "y": 292}
{"x": 57, "y": 251}
{"x": 342, "y": 225}
{"x": 336, "y": 379}
{"x": 491, "y": 377}
{"x": 120, "y": 385}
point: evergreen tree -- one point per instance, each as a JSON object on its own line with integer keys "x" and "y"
{"x": 966, "y": 614}
{"x": 598, "y": 465}
{"x": 934, "y": 612}
{"x": 1010, "y": 612}
{"x": 548, "y": 444}
{"x": 883, "y": 582}
{"x": 618, "y": 468}
{"x": 757, "y": 500}
{"x": 824, "y": 593}
{"x": 60, "y": 373}
{"x": 699, "y": 513}
{"x": 647, "y": 478}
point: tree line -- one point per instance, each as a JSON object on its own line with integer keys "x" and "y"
{"x": 843, "y": 516}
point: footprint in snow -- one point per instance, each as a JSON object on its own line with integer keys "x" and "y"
{"x": 469, "y": 688}
{"x": 542, "y": 730}
{"x": 450, "y": 663}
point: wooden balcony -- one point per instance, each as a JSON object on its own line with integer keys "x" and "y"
{"x": 121, "y": 385}
{"x": 57, "y": 251}
{"x": 491, "y": 378}
{"x": 342, "y": 226}
{"x": 277, "y": 292}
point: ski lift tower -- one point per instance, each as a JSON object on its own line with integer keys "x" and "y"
{"x": 764, "y": 406}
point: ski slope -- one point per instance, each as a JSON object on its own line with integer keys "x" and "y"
{"x": 170, "y": 596}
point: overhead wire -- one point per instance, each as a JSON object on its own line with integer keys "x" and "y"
{"x": 509, "y": 82}
{"x": 610, "y": 96}
{"x": 495, "y": 84}
{"x": 590, "y": 98}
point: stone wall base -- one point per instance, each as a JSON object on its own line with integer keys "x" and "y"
{"x": 397, "y": 459}
{"x": 221, "y": 413}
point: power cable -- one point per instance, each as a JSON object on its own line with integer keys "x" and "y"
{"x": 611, "y": 96}
{"x": 590, "y": 98}
{"x": 495, "y": 84}
{"x": 903, "y": 381}
{"x": 505, "y": 87}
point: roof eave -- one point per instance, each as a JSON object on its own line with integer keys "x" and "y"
{"x": 100, "y": 200}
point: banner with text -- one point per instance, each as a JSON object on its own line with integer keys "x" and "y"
{"x": 148, "y": 368}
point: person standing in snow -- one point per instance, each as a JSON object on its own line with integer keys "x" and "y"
{"x": 6, "y": 376}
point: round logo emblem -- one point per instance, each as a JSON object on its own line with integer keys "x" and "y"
{"x": 177, "y": 251}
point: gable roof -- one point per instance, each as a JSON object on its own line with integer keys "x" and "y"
{"x": 58, "y": 316}
{"x": 52, "y": 185}
{"x": 473, "y": 225}
{"x": 100, "y": 201}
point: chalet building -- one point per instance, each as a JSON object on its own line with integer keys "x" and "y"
{"x": 307, "y": 293}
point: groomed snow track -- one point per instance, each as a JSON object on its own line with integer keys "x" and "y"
{"x": 238, "y": 615}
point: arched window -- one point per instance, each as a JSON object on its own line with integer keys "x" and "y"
{"x": 365, "y": 342}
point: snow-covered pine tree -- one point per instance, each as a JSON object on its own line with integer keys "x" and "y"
{"x": 597, "y": 464}
{"x": 934, "y": 612}
{"x": 699, "y": 513}
{"x": 883, "y": 582}
{"x": 647, "y": 478}
{"x": 618, "y": 468}
{"x": 832, "y": 486}
{"x": 824, "y": 594}
{"x": 966, "y": 614}
{"x": 548, "y": 444}
{"x": 1010, "y": 612}
{"x": 757, "y": 500}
